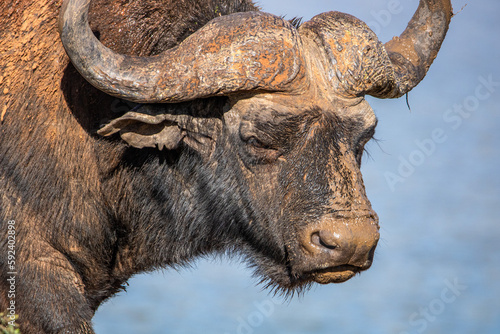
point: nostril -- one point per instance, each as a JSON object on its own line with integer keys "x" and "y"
{"x": 324, "y": 240}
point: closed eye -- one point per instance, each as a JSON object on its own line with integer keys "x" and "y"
{"x": 256, "y": 151}
{"x": 256, "y": 143}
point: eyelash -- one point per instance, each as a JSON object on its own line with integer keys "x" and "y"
{"x": 360, "y": 149}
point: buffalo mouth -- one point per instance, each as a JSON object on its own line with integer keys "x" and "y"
{"x": 336, "y": 274}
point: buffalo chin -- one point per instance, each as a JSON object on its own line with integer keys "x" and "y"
{"x": 288, "y": 281}
{"x": 288, "y": 285}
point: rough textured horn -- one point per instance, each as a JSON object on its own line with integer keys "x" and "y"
{"x": 413, "y": 52}
{"x": 363, "y": 65}
{"x": 239, "y": 52}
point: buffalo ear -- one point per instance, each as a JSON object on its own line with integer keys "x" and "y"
{"x": 142, "y": 130}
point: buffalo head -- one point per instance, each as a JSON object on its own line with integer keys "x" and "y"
{"x": 287, "y": 147}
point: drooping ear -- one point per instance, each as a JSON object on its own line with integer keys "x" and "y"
{"x": 143, "y": 130}
{"x": 162, "y": 127}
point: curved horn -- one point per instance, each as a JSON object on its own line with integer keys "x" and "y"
{"x": 239, "y": 52}
{"x": 413, "y": 52}
{"x": 363, "y": 65}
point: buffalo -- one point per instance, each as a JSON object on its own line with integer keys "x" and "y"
{"x": 138, "y": 135}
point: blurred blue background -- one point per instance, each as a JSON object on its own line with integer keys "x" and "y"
{"x": 433, "y": 178}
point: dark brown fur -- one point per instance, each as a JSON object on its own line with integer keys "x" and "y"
{"x": 52, "y": 165}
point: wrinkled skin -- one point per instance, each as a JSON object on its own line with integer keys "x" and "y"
{"x": 101, "y": 189}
